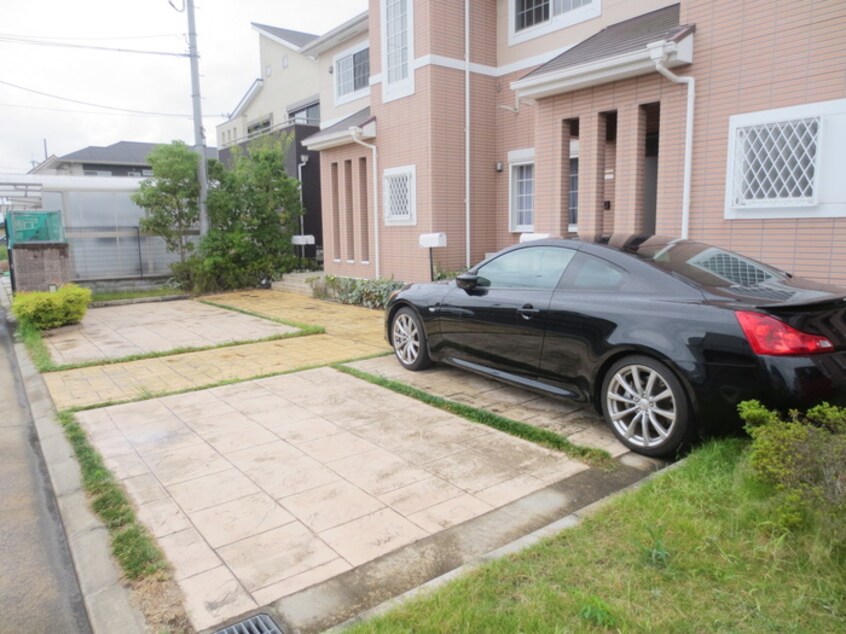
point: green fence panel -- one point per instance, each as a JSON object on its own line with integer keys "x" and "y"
{"x": 34, "y": 226}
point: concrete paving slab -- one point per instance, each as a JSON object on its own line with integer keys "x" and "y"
{"x": 578, "y": 422}
{"x": 113, "y": 332}
{"x": 249, "y": 526}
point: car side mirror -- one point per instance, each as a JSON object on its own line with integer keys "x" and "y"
{"x": 467, "y": 281}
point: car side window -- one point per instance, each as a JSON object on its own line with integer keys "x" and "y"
{"x": 593, "y": 274}
{"x": 530, "y": 267}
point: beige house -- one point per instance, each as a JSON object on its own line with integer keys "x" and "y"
{"x": 487, "y": 120}
{"x": 287, "y": 91}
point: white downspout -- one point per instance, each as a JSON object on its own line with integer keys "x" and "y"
{"x": 467, "y": 262}
{"x": 356, "y": 133}
{"x": 688, "y": 137}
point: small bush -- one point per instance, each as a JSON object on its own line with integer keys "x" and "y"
{"x": 349, "y": 290}
{"x": 43, "y": 310}
{"x": 803, "y": 456}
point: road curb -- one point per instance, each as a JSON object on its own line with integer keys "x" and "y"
{"x": 106, "y": 601}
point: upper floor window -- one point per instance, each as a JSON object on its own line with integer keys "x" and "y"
{"x": 259, "y": 127}
{"x": 352, "y": 74}
{"x": 397, "y": 49}
{"x": 310, "y": 115}
{"x": 532, "y": 18}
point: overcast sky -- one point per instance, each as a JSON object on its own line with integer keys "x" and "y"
{"x": 229, "y": 62}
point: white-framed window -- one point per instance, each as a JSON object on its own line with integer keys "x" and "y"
{"x": 267, "y": 70}
{"x": 775, "y": 164}
{"x": 284, "y": 62}
{"x": 397, "y": 49}
{"x": 528, "y": 19}
{"x": 352, "y": 73}
{"x": 522, "y": 197}
{"x": 787, "y": 162}
{"x": 400, "y": 195}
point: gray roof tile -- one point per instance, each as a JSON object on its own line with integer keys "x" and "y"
{"x": 297, "y": 38}
{"x": 122, "y": 152}
{"x": 617, "y": 39}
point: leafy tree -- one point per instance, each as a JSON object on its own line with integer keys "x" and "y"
{"x": 254, "y": 209}
{"x": 171, "y": 196}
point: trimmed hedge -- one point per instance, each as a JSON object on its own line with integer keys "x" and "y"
{"x": 44, "y": 310}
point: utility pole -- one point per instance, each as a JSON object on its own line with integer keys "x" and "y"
{"x": 199, "y": 137}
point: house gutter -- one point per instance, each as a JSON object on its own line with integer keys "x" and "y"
{"x": 660, "y": 56}
{"x": 356, "y": 133}
{"x": 467, "y": 262}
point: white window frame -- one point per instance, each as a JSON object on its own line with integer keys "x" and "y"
{"x": 410, "y": 219}
{"x": 518, "y": 158}
{"x": 355, "y": 94}
{"x": 829, "y": 194}
{"x": 555, "y": 22}
{"x": 403, "y": 87}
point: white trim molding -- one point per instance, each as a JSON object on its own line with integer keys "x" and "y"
{"x": 339, "y": 138}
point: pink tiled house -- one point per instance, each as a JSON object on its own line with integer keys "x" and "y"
{"x": 717, "y": 120}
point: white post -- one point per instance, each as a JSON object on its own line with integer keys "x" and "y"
{"x": 199, "y": 137}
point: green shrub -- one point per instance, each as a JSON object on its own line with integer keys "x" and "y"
{"x": 349, "y": 290}
{"x": 44, "y": 310}
{"x": 803, "y": 456}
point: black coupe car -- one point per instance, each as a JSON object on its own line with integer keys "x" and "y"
{"x": 664, "y": 337}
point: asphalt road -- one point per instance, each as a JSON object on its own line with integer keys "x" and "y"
{"x": 39, "y": 591}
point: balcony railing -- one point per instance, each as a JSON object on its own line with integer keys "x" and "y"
{"x": 289, "y": 123}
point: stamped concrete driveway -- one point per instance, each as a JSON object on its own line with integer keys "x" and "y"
{"x": 114, "y": 332}
{"x": 258, "y": 490}
{"x": 316, "y": 495}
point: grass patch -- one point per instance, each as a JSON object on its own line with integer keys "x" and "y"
{"x": 133, "y": 547}
{"x": 692, "y": 550}
{"x": 595, "y": 457}
{"x": 122, "y": 295}
{"x": 31, "y": 337}
{"x": 285, "y": 322}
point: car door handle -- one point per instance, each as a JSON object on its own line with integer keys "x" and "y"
{"x": 528, "y": 311}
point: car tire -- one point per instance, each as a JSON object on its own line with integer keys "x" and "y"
{"x": 408, "y": 339}
{"x": 646, "y": 406}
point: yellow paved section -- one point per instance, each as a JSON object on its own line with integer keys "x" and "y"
{"x": 351, "y": 332}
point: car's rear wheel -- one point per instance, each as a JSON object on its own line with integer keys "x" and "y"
{"x": 646, "y": 406}
{"x": 409, "y": 340}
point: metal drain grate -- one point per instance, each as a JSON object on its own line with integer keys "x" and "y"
{"x": 259, "y": 624}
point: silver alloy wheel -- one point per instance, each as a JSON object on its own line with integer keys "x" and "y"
{"x": 641, "y": 406}
{"x": 406, "y": 338}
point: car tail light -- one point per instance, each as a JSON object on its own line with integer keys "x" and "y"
{"x": 768, "y": 335}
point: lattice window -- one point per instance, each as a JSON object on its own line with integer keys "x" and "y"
{"x": 776, "y": 163}
{"x": 563, "y": 6}
{"x": 400, "y": 195}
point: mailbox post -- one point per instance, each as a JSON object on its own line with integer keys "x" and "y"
{"x": 432, "y": 241}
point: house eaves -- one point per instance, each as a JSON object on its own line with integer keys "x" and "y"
{"x": 340, "y": 34}
{"x": 294, "y": 40}
{"x": 619, "y": 51}
{"x": 247, "y": 99}
{"x": 339, "y": 134}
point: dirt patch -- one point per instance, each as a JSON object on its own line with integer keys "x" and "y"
{"x": 160, "y": 600}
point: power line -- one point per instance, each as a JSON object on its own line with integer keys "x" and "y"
{"x": 92, "y": 39}
{"x": 95, "y": 105}
{"x": 99, "y": 114}
{"x": 12, "y": 40}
